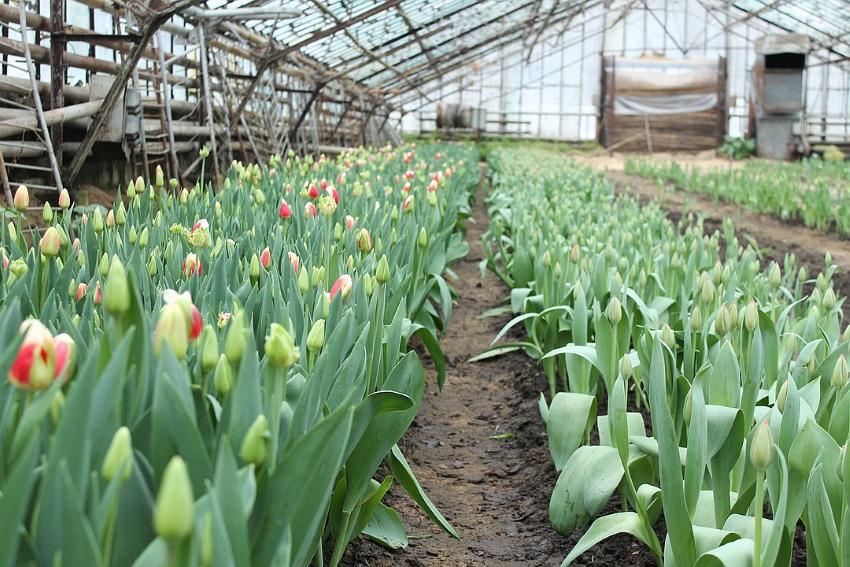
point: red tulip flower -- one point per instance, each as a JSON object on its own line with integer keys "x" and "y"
{"x": 285, "y": 212}
{"x": 333, "y": 193}
{"x": 295, "y": 261}
{"x": 42, "y": 357}
{"x": 313, "y": 191}
{"x": 323, "y": 184}
{"x": 194, "y": 323}
{"x": 342, "y": 285}
{"x": 310, "y": 210}
{"x": 266, "y": 257}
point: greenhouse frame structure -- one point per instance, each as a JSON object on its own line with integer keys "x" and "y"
{"x": 147, "y": 83}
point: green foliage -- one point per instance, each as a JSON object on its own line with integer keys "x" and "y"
{"x": 275, "y": 449}
{"x": 737, "y": 148}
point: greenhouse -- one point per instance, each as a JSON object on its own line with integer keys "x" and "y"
{"x": 424, "y": 283}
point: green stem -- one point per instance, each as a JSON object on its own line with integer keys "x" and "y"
{"x": 759, "y": 502}
{"x": 274, "y": 412}
{"x": 341, "y": 540}
{"x": 110, "y": 532}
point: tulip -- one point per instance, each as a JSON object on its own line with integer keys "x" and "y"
{"x": 80, "y": 293}
{"x": 119, "y": 456}
{"x": 47, "y": 213}
{"x": 310, "y": 210}
{"x": 761, "y": 447}
{"x": 280, "y": 347}
{"x": 408, "y": 203}
{"x": 333, "y": 193}
{"x": 116, "y": 299}
{"x": 254, "y": 448}
{"x": 382, "y": 272}
{"x": 192, "y": 266}
{"x": 208, "y": 349}
{"x": 313, "y": 192}
{"x": 327, "y": 205}
{"x": 316, "y": 336}
{"x": 171, "y": 329}
{"x": 626, "y": 369}
{"x": 364, "y": 241}
{"x": 303, "y": 282}
{"x": 21, "y": 199}
{"x": 774, "y": 276}
{"x": 98, "y": 294}
{"x": 235, "y": 342}
{"x": 342, "y": 284}
{"x": 839, "y": 373}
{"x": 284, "y": 212}
{"x": 110, "y": 218}
{"x": 294, "y": 261}
{"x": 191, "y": 314}
{"x": 422, "y": 238}
{"x": 223, "y": 376}
{"x": 223, "y": 319}
{"x": 173, "y": 513}
{"x": 614, "y": 311}
{"x": 143, "y": 237}
{"x": 349, "y": 222}
{"x": 64, "y": 199}
{"x": 97, "y": 220}
{"x": 266, "y": 257}
{"x": 50, "y": 242}
{"x": 41, "y": 358}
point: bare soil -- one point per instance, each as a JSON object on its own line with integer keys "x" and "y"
{"x": 616, "y": 162}
{"x": 479, "y": 449}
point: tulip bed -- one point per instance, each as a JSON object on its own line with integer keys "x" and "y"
{"x": 813, "y": 191}
{"x": 205, "y": 377}
{"x": 738, "y": 365}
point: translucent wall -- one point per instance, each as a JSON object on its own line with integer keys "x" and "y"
{"x": 551, "y": 89}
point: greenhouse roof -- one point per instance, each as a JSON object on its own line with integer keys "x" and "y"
{"x": 397, "y": 46}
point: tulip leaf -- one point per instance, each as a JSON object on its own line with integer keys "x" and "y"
{"x": 407, "y": 480}
{"x": 586, "y": 483}
{"x": 605, "y": 527}
{"x": 569, "y": 419}
{"x": 386, "y": 528}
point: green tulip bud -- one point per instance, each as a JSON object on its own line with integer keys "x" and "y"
{"x": 97, "y": 220}
{"x": 140, "y": 184}
{"x": 47, "y": 213}
{"x": 171, "y": 330}
{"x": 751, "y": 316}
{"x": 828, "y": 299}
{"x": 116, "y": 297}
{"x": 821, "y": 283}
{"x": 422, "y": 239}
{"x": 761, "y": 447}
{"x": 614, "y": 311}
{"x": 209, "y": 349}
{"x": 234, "y": 343}
{"x": 152, "y": 267}
{"x": 223, "y": 376}
{"x": 254, "y": 268}
{"x": 303, "y": 282}
{"x": 103, "y": 266}
{"x": 721, "y": 320}
{"x": 280, "y": 347}
{"x": 688, "y": 408}
{"x": 382, "y": 272}
{"x": 159, "y": 178}
{"x": 626, "y": 369}
{"x": 132, "y": 235}
{"x": 839, "y": 373}
{"x": 782, "y": 396}
{"x": 316, "y": 336}
{"x": 668, "y": 337}
{"x": 120, "y": 214}
{"x": 368, "y": 285}
{"x": 254, "y": 448}
{"x": 119, "y": 456}
{"x": 774, "y": 276}
{"x": 56, "y": 405}
{"x": 696, "y": 318}
{"x": 173, "y": 513}
{"x": 131, "y": 189}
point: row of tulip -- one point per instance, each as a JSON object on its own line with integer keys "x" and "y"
{"x": 813, "y": 191}
{"x": 740, "y": 366}
{"x": 200, "y": 377}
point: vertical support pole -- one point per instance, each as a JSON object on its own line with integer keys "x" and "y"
{"x": 166, "y": 89}
{"x": 142, "y": 137}
{"x": 36, "y": 97}
{"x": 57, "y": 73}
{"x": 207, "y": 99}
{"x": 4, "y": 180}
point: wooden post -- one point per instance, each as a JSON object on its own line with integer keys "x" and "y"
{"x": 208, "y": 100}
{"x": 57, "y": 72}
{"x": 166, "y": 101}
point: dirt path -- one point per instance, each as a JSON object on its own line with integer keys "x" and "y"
{"x": 776, "y": 238}
{"x": 479, "y": 447}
